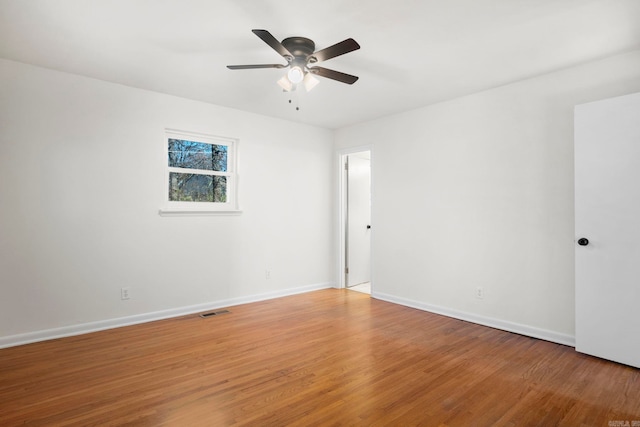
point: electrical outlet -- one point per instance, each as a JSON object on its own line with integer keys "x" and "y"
{"x": 480, "y": 292}
{"x": 267, "y": 274}
{"x": 124, "y": 293}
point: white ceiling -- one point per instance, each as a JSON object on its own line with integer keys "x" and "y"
{"x": 414, "y": 52}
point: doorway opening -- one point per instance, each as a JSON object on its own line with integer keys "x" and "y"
{"x": 355, "y": 220}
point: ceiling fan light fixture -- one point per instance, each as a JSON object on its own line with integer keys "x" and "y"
{"x": 285, "y": 84}
{"x": 295, "y": 74}
{"x": 309, "y": 82}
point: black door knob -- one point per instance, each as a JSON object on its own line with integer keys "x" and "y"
{"x": 368, "y": 227}
{"x": 583, "y": 241}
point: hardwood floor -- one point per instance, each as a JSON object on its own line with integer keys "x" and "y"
{"x": 331, "y": 357}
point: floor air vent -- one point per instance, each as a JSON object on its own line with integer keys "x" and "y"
{"x": 214, "y": 313}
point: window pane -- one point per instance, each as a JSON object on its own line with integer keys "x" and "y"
{"x": 185, "y": 187}
{"x": 197, "y": 155}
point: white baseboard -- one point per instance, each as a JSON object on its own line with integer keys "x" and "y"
{"x": 84, "y": 328}
{"x": 504, "y": 325}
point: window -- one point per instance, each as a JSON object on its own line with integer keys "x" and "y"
{"x": 201, "y": 173}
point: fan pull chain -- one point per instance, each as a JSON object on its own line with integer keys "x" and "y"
{"x": 297, "y": 98}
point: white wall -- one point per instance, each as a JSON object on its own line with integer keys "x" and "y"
{"x": 81, "y": 182}
{"x": 478, "y": 191}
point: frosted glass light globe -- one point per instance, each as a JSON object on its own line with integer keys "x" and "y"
{"x": 295, "y": 74}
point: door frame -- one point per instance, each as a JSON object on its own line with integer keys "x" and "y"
{"x": 341, "y": 158}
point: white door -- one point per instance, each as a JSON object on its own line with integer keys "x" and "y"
{"x": 358, "y": 218}
{"x": 607, "y": 203}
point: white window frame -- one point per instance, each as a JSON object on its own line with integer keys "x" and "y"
{"x": 231, "y": 206}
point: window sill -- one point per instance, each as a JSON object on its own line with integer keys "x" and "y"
{"x": 196, "y": 212}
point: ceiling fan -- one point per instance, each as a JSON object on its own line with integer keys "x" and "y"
{"x": 299, "y": 54}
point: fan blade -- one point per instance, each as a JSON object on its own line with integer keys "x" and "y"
{"x": 251, "y": 67}
{"x": 334, "y": 75}
{"x": 345, "y": 46}
{"x": 274, "y": 43}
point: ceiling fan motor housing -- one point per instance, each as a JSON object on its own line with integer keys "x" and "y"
{"x": 300, "y": 47}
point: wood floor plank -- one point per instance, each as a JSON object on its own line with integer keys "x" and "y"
{"x": 331, "y": 357}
